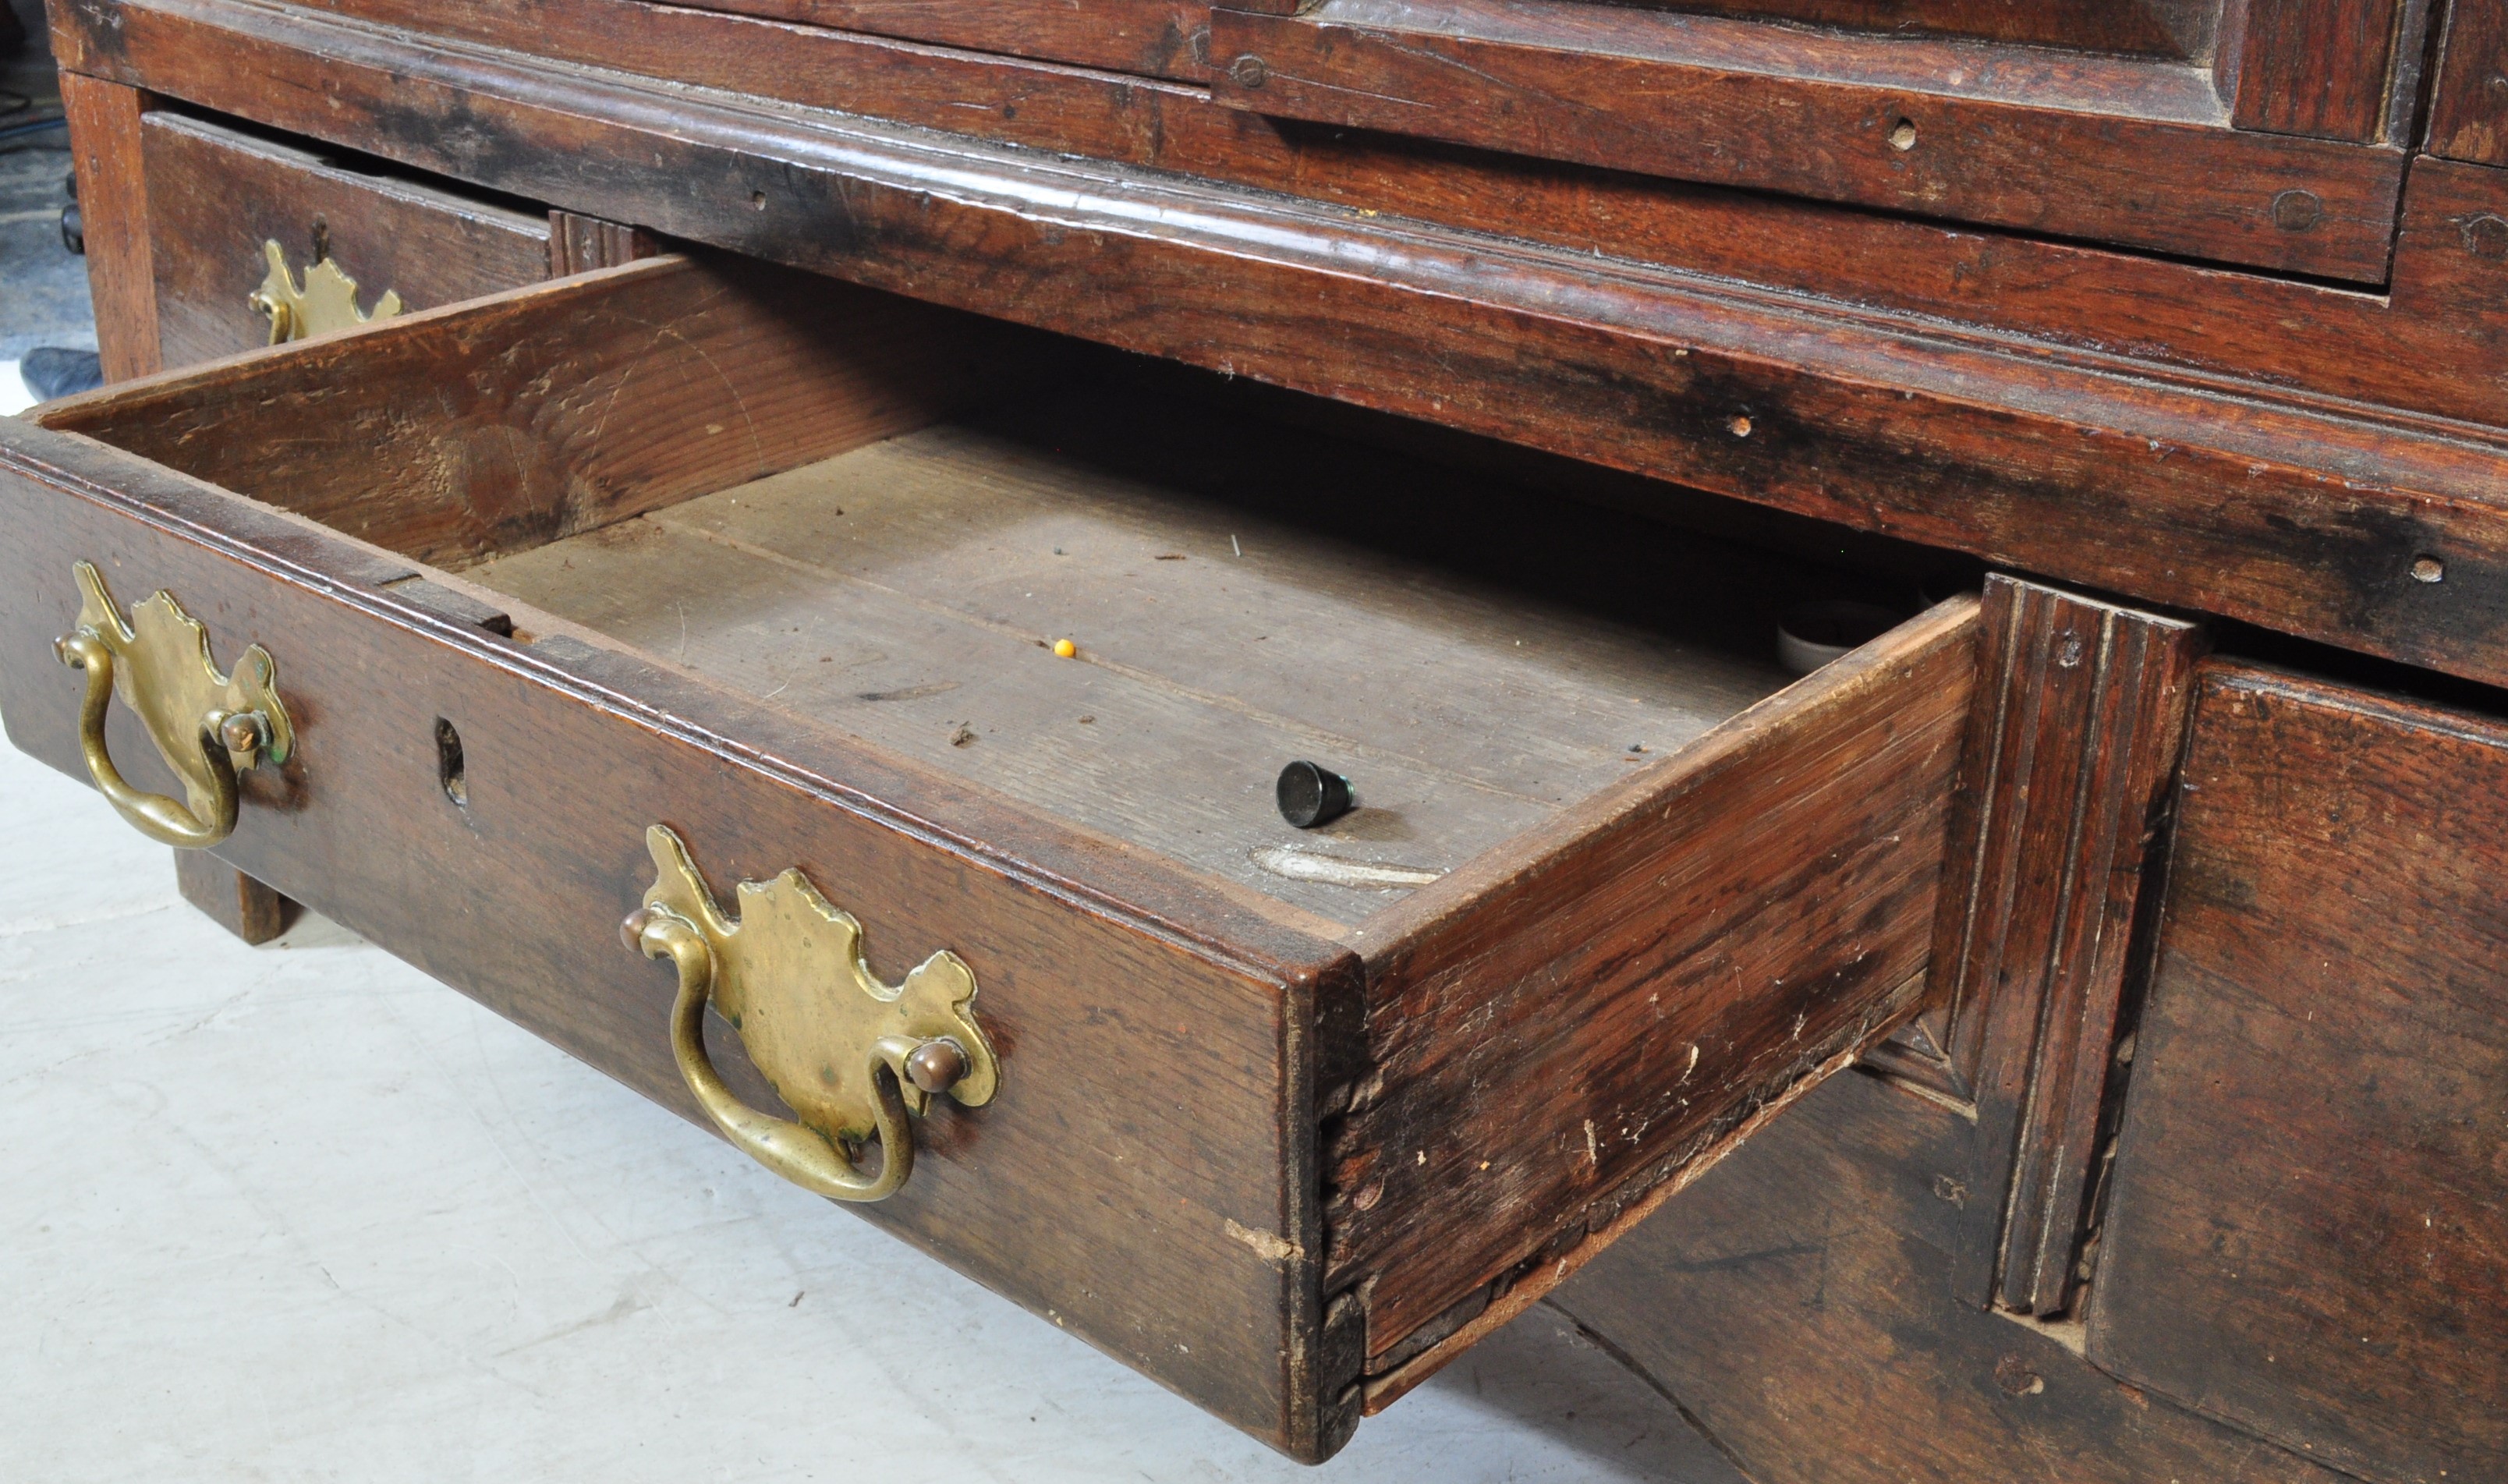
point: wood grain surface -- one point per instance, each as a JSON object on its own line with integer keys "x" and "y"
{"x": 629, "y": 390}
{"x": 2468, "y": 117}
{"x": 2072, "y": 744}
{"x": 2106, "y": 150}
{"x": 1794, "y": 1303}
{"x": 1145, "y": 1176}
{"x": 2096, "y": 479}
{"x": 2436, "y": 354}
{"x": 2309, "y": 1231}
{"x": 113, "y": 210}
{"x": 215, "y": 196}
{"x": 1712, "y": 932}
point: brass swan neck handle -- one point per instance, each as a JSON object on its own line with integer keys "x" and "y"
{"x": 208, "y": 726}
{"x": 852, "y": 1056}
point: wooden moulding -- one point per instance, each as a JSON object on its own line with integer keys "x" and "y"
{"x": 2080, "y": 711}
{"x": 2118, "y": 150}
{"x": 2070, "y": 470}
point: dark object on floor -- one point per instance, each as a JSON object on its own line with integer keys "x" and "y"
{"x": 1311, "y": 796}
{"x": 49, "y": 372}
{"x": 73, "y": 224}
{"x": 13, "y": 32}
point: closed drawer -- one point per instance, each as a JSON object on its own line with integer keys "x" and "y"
{"x": 1282, "y": 1118}
{"x": 217, "y": 198}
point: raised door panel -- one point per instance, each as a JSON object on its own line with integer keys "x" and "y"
{"x": 2250, "y": 134}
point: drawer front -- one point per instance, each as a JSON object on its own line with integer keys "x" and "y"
{"x": 216, "y": 196}
{"x": 2309, "y": 1235}
{"x": 1131, "y": 1180}
{"x": 1284, "y": 1163}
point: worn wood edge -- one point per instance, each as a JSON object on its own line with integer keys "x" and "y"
{"x": 113, "y": 191}
{"x": 1866, "y": 685}
{"x": 1405, "y": 928}
{"x": 105, "y": 405}
{"x": 398, "y": 188}
{"x": 1670, "y": 1178}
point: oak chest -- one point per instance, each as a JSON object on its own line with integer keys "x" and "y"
{"x": 1902, "y": 583}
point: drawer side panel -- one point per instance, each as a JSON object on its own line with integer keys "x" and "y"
{"x": 1706, "y": 941}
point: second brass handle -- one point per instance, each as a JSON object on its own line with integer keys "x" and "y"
{"x": 795, "y": 1151}
{"x": 853, "y": 1056}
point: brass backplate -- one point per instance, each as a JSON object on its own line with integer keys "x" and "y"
{"x": 324, "y": 304}
{"x": 790, "y": 977}
{"x": 164, "y": 672}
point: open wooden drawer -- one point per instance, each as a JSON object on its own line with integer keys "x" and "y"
{"x": 1284, "y": 1119}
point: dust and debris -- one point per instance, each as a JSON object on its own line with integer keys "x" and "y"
{"x": 1267, "y": 1245}
{"x": 962, "y": 736}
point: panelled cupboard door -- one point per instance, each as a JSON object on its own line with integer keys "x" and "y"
{"x": 2309, "y": 1235}
{"x": 2267, "y": 133}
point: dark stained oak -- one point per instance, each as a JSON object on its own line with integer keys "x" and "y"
{"x": 2434, "y": 353}
{"x": 1762, "y": 886}
{"x": 2080, "y": 713}
{"x": 1139, "y": 1177}
{"x": 2468, "y": 117}
{"x": 2315, "y": 67}
{"x": 113, "y": 207}
{"x": 234, "y": 901}
{"x": 2114, "y": 151}
{"x": 2102, "y": 479}
{"x": 1794, "y": 1302}
{"x": 2309, "y": 1235}
{"x": 215, "y": 196}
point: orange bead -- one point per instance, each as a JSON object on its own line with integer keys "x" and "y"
{"x": 1065, "y": 647}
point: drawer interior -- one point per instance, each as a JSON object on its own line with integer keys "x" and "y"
{"x": 936, "y": 501}
{"x": 1618, "y": 888}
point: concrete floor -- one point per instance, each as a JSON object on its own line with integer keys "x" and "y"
{"x": 300, "y": 1212}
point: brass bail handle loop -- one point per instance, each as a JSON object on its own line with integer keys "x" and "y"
{"x": 852, "y": 1056}
{"x": 800, "y": 1154}
{"x": 207, "y": 725}
{"x": 154, "y": 815}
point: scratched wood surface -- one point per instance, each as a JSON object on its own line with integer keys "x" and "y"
{"x": 1797, "y": 1302}
{"x": 909, "y": 592}
{"x": 2309, "y": 1231}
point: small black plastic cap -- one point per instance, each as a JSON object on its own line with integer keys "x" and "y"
{"x": 1311, "y": 796}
